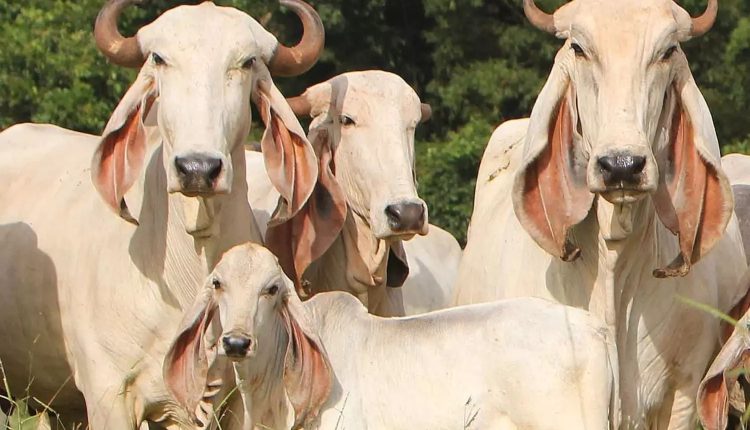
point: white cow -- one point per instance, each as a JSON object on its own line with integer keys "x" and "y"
{"x": 327, "y": 363}
{"x": 89, "y": 301}
{"x": 353, "y": 232}
{"x": 615, "y": 174}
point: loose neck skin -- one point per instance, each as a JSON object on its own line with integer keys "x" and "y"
{"x": 260, "y": 380}
{"x": 607, "y": 237}
{"x": 180, "y": 239}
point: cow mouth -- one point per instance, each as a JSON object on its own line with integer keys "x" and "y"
{"x": 623, "y": 194}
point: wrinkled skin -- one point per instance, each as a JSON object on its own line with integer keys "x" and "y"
{"x": 474, "y": 351}
{"x": 594, "y": 237}
{"x": 369, "y": 118}
{"x": 106, "y": 295}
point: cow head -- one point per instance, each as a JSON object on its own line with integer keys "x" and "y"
{"x": 620, "y": 117}
{"x": 203, "y": 64}
{"x": 263, "y": 325}
{"x": 363, "y": 132}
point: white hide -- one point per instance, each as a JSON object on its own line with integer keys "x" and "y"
{"x": 515, "y": 364}
{"x": 664, "y": 345}
{"x": 374, "y": 166}
{"x": 89, "y": 302}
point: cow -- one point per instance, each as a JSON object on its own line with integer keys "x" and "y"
{"x": 611, "y": 197}
{"x": 326, "y": 363}
{"x": 350, "y": 235}
{"x": 89, "y": 300}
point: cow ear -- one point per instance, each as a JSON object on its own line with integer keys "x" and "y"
{"x": 119, "y": 158}
{"x": 289, "y": 157}
{"x": 307, "y": 371}
{"x": 732, "y": 363}
{"x": 694, "y": 198}
{"x": 307, "y": 235}
{"x": 398, "y": 266}
{"x": 550, "y": 194}
{"x": 187, "y": 362}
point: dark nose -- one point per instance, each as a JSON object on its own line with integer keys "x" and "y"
{"x": 405, "y": 216}
{"x": 617, "y": 169}
{"x": 197, "y": 173}
{"x": 236, "y": 346}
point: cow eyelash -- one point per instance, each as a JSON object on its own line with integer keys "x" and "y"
{"x": 668, "y": 54}
{"x": 346, "y": 120}
{"x": 577, "y": 49}
{"x": 248, "y": 64}
{"x": 156, "y": 58}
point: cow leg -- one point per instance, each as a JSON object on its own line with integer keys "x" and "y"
{"x": 109, "y": 399}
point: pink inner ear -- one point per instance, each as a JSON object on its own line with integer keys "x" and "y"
{"x": 553, "y": 199}
{"x": 713, "y": 404}
{"x": 307, "y": 375}
{"x": 120, "y": 158}
{"x": 691, "y": 200}
{"x": 311, "y": 232}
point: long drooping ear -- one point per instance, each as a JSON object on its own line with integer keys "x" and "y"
{"x": 289, "y": 157}
{"x": 398, "y": 266}
{"x": 120, "y": 156}
{"x": 550, "y": 194}
{"x": 732, "y": 363}
{"x": 308, "y": 234}
{"x": 307, "y": 372}
{"x": 187, "y": 363}
{"x": 694, "y": 198}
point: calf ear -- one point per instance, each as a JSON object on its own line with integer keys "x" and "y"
{"x": 398, "y": 266}
{"x": 307, "y": 371}
{"x": 732, "y": 363}
{"x": 550, "y": 194}
{"x": 119, "y": 159}
{"x": 694, "y": 198}
{"x": 307, "y": 235}
{"x": 186, "y": 365}
{"x": 289, "y": 157}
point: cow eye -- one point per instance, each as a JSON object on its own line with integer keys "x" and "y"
{"x": 248, "y": 64}
{"x": 216, "y": 283}
{"x": 577, "y": 49}
{"x": 156, "y": 58}
{"x": 668, "y": 54}
{"x": 272, "y": 290}
{"x": 346, "y": 120}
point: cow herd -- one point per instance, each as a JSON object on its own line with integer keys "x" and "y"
{"x": 167, "y": 275}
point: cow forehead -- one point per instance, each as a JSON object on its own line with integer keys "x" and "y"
{"x": 246, "y": 263}
{"x": 204, "y": 28}
{"x": 617, "y": 19}
{"x": 374, "y": 92}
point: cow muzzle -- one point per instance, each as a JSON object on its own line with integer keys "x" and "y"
{"x": 238, "y": 345}
{"x": 406, "y": 218}
{"x": 622, "y": 176}
{"x": 200, "y": 175}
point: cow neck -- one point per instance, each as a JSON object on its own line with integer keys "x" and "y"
{"x": 162, "y": 248}
{"x": 364, "y": 258}
{"x": 260, "y": 379}
{"x": 623, "y": 242}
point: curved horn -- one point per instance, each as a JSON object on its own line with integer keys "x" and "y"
{"x": 540, "y": 19}
{"x": 703, "y": 23}
{"x": 300, "y": 105}
{"x": 296, "y": 60}
{"x": 123, "y": 51}
{"x": 426, "y": 112}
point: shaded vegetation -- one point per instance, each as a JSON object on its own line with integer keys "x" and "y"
{"x": 476, "y": 61}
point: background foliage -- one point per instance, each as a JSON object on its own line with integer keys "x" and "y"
{"x": 476, "y": 61}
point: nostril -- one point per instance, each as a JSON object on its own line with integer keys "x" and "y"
{"x": 236, "y": 345}
{"x": 214, "y": 168}
{"x": 394, "y": 213}
{"x": 181, "y": 164}
{"x": 606, "y": 164}
{"x": 639, "y": 163}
